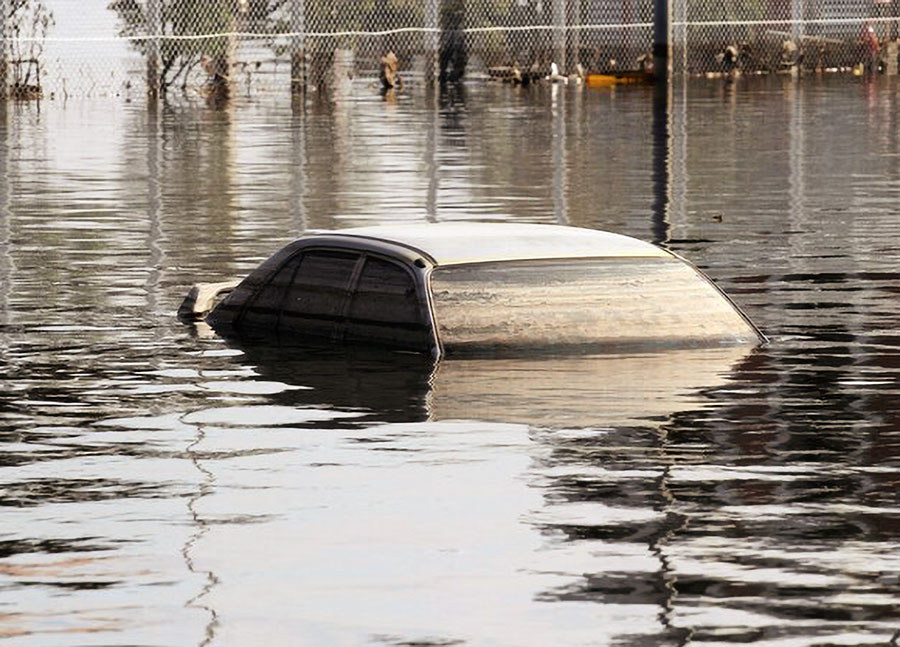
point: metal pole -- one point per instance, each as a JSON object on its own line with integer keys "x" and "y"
{"x": 4, "y": 65}
{"x": 797, "y": 22}
{"x": 662, "y": 141}
{"x": 662, "y": 57}
{"x": 154, "y": 28}
{"x": 298, "y": 48}
{"x": 559, "y": 35}
{"x": 893, "y": 47}
{"x": 431, "y": 41}
{"x": 679, "y": 45}
{"x": 578, "y": 20}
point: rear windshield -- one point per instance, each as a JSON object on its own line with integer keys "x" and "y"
{"x": 615, "y": 303}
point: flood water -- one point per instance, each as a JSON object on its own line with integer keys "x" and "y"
{"x": 159, "y": 487}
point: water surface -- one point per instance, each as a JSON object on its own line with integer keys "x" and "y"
{"x": 160, "y": 487}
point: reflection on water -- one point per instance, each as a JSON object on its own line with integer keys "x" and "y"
{"x": 553, "y": 391}
{"x": 162, "y": 487}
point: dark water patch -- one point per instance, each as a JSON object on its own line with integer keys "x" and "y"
{"x": 613, "y": 588}
{"x": 35, "y": 492}
{"x": 70, "y": 586}
{"x": 10, "y": 547}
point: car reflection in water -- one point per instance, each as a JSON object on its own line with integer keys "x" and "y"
{"x": 553, "y": 391}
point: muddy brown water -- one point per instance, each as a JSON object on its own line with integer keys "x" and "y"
{"x": 160, "y": 487}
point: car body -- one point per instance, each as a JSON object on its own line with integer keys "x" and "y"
{"x": 476, "y": 288}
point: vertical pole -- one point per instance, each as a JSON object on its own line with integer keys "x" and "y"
{"x": 154, "y": 28}
{"x": 661, "y": 43}
{"x": 890, "y": 64}
{"x": 662, "y": 60}
{"x": 797, "y": 22}
{"x": 559, "y": 35}
{"x": 679, "y": 33}
{"x": 576, "y": 34}
{"x": 4, "y": 65}
{"x": 298, "y": 48}
{"x": 893, "y": 47}
{"x": 894, "y": 35}
{"x": 431, "y": 41}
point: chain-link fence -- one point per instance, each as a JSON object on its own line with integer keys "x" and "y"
{"x": 782, "y": 35}
{"x": 127, "y": 47}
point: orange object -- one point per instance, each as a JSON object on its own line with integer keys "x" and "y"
{"x": 633, "y": 77}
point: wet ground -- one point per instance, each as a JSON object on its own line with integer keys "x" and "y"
{"x": 159, "y": 487}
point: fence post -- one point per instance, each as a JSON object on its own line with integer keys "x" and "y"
{"x": 154, "y": 28}
{"x": 890, "y": 63}
{"x": 298, "y": 48}
{"x": 575, "y": 41}
{"x": 4, "y": 64}
{"x": 679, "y": 33}
{"x": 661, "y": 43}
{"x": 797, "y": 22}
{"x": 431, "y": 41}
{"x": 559, "y": 35}
{"x": 662, "y": 90}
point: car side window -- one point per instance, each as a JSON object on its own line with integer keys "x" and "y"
{"x": 315, "y": 300}
{"x": 263, "y": 308}
{"x": 386, "y": 307}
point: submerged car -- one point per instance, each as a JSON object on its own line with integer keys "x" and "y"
{"x": 457, "y": 288}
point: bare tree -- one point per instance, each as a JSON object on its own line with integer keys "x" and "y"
{"x": 192, "y": 33}
{"x": 29, "y": 22}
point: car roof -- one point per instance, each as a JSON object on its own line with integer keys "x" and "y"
{"x": 479, "y": 242}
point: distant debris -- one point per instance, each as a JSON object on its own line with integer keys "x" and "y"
{"x": 515, "y": 74}
{"x": 731, "y": 60}
{"x": 790, "y": 53}
{"x": 390, "y": 79}
{"x": 620, "y": 77}
{"x": 555, "y": 76}
{"x": 217, "y": 86}
{"x": 580, "y": 75}
{"x": 645, "y": 62}
{"x": 728, "y": 58}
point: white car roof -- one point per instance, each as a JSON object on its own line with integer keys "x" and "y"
{"x": 455, "y": 243}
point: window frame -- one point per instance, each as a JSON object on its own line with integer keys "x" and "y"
{"x": 417, "y": 268}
